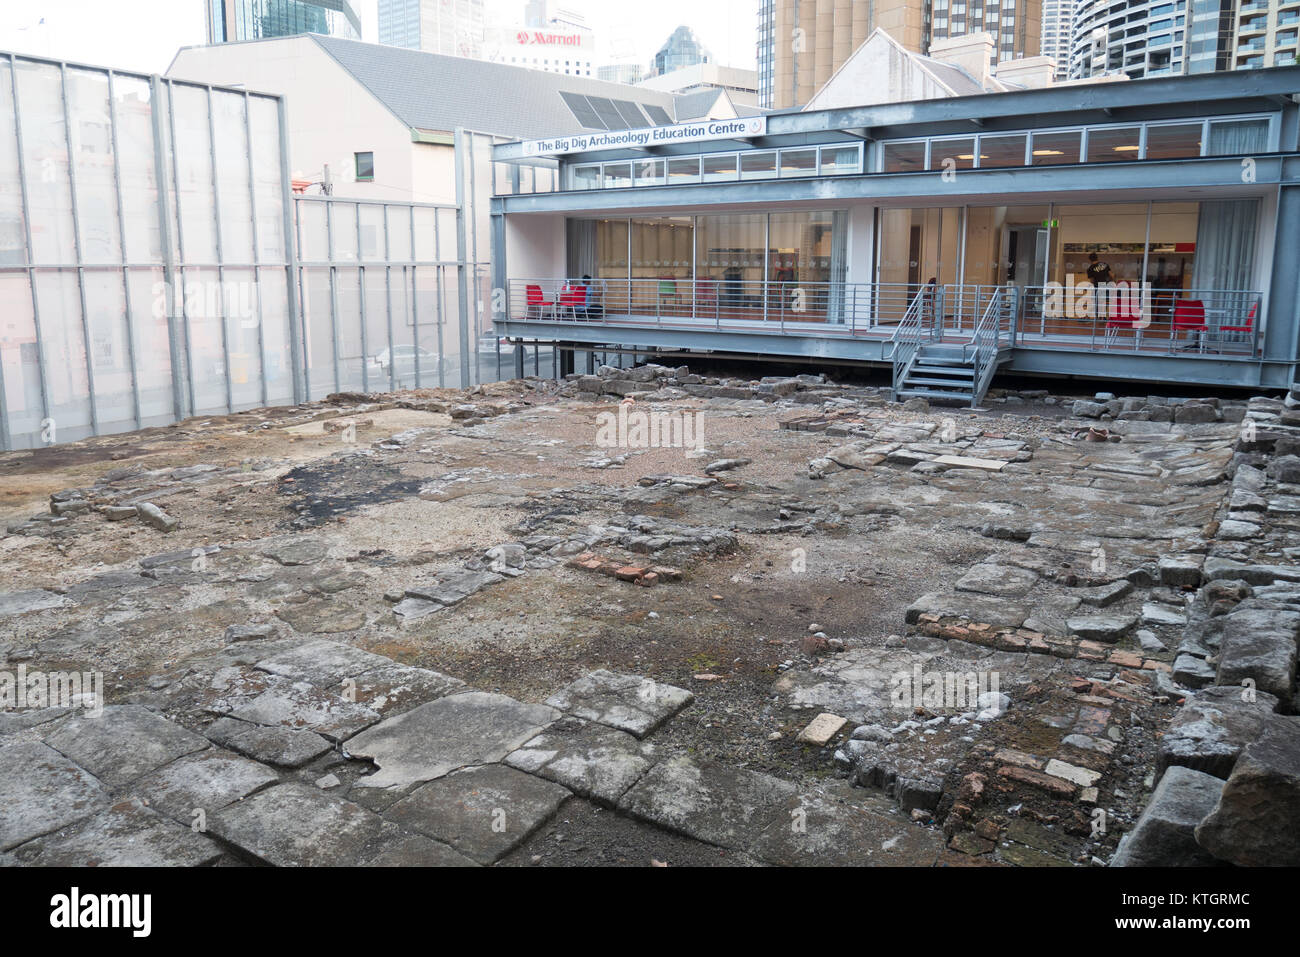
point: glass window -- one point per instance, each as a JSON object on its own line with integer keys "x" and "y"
{"x": 586, "y": 177}
{"x": 840, "y": 159}
{"x": 1002, "y": 150}
{"x": 662, "y": 248}
{"x": 1237, "y": 137}
{"x": 798, "y": 162}
{"x": 902, "y": 157}
{"x": 649, "y": 172}
{"x": 953, "y": 153}
{"x": 1053, "y": 149}
{"x": 365, "y": 167}
{"x": 758, "y": 165}
{"x": 719, "y": 169}
{"x": 1172, "y": 142}
{"x": 1113, "y": 145}
{"x": 730, "y": 251}
{"x": 682, "y": 171}
{"x": 618, "y": 175}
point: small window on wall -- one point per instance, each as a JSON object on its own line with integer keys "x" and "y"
{"x": 757, "y": 165}
{"x": 586, "y": 177}
{"x": 1173, "y": 142}
{"x": 649, "y": 172}
{"x": 903, "y": 157}
{"x": 1002, "y": 150}
{"x": 365, "y": 167}
{"x": 720, "y": 169}
{"x": 681, "y": 171}
{"x": 960, "y": 152}
{"x": 1055, "y": 149}
{"x": 1113, "y": 145}
{"x": 618, "y": 175}
{"x": 837, "y": 160}
{"x": 1238, "y": 137}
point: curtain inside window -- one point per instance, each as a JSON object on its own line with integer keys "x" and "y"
{"x": 1238, "y": 138}
{"x": 1225, "y": 244}
{"x": 839, "y": 264}
{"x": 582, "y": 247}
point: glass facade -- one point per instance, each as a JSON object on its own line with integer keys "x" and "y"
{"x": 233, "y": 20}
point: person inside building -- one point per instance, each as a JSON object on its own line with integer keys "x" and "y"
{"x": 1098, "y": 270}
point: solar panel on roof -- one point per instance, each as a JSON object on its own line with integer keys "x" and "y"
{"x": 606, "y": 110}
{"x": 631, "y": 113}
{"x": 582, "y": 111}
{"x": 658, "y": 115}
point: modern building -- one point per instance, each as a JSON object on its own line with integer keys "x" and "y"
{"x": 230, "y": 21}
{"x": 629, "y": 74}
{"x": 681, "y": 50}
{"x": 392, "y": 112}
{"x": 1058, "y": 24}
{"x": 801, "y": 43}
{"x": 1141, "y": 38}
{"x": 741, "y": 86}
{"x": 957, "y": 232}
{"x": 1266, "y": 34}
{"x": 553, "y": 41}
{"x": 449, "y": 27}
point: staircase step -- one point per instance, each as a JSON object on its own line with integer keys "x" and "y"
{"x": 943, "y": 370}
{"x": 935, "y": 394}
{"x": 957, "y": 384}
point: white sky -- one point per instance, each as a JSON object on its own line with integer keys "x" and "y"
{"x": 143, "y": 35}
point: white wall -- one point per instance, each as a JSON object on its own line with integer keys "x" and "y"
{"x": 536, "y": 246}
{"x": 331, "y": 116}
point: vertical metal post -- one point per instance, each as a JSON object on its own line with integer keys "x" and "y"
{"x": 361, "y": 302}
{"x": 165, "y": 241}
{"x": 31, "y": 249}
{"x": 180, "y": 247}
{"x": 129, "y": 313}
{"x": 221, "y": 254}
{"x": 334, "y": 291}
{"x": 257, "y": 255}
{"x": 388, "y": 302}
{"x": 462, "y": 284}
{"x": 473, "y": 230}
{"x": 415, "y": 303}
{"x": 292, "y": 245}
{"x": 438, "y": 289}
{"x": 767, "y": 269}
{"x": 80, "y": 252}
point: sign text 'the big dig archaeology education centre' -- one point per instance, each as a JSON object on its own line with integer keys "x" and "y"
{"x": 653, "y": 136}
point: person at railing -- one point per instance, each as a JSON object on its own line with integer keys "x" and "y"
{"x": 595, "y": 307}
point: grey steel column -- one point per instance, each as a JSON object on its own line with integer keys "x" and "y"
{"x": 31, "y": 249}
{"x": 257, "y": 255}
{"x": 438, "y": 285}
{"x": 388, "y": 302}
{"x": 415, "y": 299}
{"x": 497, "y": 261}
{"x": 361, "y": 302}
{"x": 473, "y": 227}
{"x": 77, "y": 246}
{"x": 165, "y": 240}
{"x": 180, "y": 244}
{"x": 334, "y": 290}
{"x": 121, "y": 238}
{"x": 461, "y": 251}
{"x": 292, "y": 241}
{"x": 221, "y": 254}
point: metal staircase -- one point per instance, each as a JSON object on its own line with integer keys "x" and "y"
{"x": 931, "y": 366}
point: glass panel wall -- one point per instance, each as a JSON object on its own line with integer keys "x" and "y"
{"x": 1114, "y": 145}
{"x": 1174, "y": 141}
{"x": 918, "y": 245}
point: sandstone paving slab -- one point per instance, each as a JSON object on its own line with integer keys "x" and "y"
{"x": 304, "y": 706}
{"x": 11, "y": 722}
{"x": 1006, "y": 581}
{"x": 415, "y": 850}
{"x": 323, "y": 617}
{"x": 129, "y": 834}
{"x": 297, "y": 824}
{"x": 393, "y": 687}
{"x": 447, "y": 734}
{"x": 301, "y": 551}
{"x": 34, "y": 599}
{"x": 1209, "y": 732}
{"x": 730, "y": 807}
{"x": 988, "y": 609}
{"x": 123, "y": 742}
{"x": 207, "y": 781}
{"x": 627, "y": 702}
{"x": 590, "y": 759}
{"x": 323, "y": 662}
{"x": 817, "y": 831}
{"x": 42, "y": 791}
{"x": 482, "y": 812}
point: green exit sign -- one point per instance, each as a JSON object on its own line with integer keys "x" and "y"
{"x": 1052, "y": 223}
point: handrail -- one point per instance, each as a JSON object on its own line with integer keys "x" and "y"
{"x": 986, "y": 340}
{"x": 905, "y": 343}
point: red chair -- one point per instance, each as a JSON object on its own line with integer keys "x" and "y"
{"x": 1243, "y": 333}
{"x": 573, "y": 298}
{"x": 1189, "y": 316}
{"x": 537, "y": 302}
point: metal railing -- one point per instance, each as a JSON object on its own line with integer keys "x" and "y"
{"x": 995, "y": 329}
{"x": 921, "y": 322}
{"x": 820, "y": 308}
{"x": 1222, "y": 322}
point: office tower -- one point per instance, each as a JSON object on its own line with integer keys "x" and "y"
{"x": 453, "y": 27}
{"x": 232, "y": 20}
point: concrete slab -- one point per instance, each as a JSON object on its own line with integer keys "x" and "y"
{"x": 42, "y": 791}
{"x": 283, "y": 747}
{"x": 305, "y": 707}
{"x": 129, "y": 834}
{"x": 818, "y": 832}
{"x": 483, "y": 812}
{"x": 627, "y": 702}
{"x": 206, "y": 781}
{"x": 445, "y": 735}
{"x": 122, "y": 743}
{"x": 590, "y": 759}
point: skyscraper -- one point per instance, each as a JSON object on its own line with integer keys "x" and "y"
{"x": 452, "y": 27}
{"x": 1140, "y": 38}
{"x": 1266, "y": 34}
{"x": 231, "y": 20}
{"x": 679, "y": 51}
{"x": 802, "y": 42}
{"x": 1058, "y": 21}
